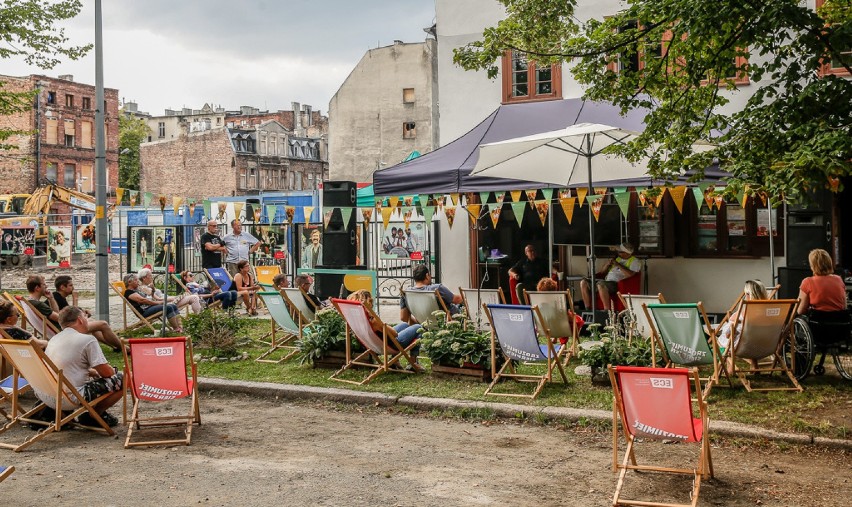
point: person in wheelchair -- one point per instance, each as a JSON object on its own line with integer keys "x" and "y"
{"x": 822, "y": 297}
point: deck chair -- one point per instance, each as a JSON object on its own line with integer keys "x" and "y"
{"x": 304, "y": 311}
{"x": 771, "y": 292}
{"x": 5, "y": 472}
{"x": 474, "y": 299}
{"x": 220, "y": 277}
{"x": 634, "y": 316}
{"x": 656, "y": 404}
{"x": 680, "y": 331}
{"x": 281, "y": 318}
{"x": 384, "y": 352}
{"x": 210, "y": 302}
{"x": 119, "y": 288}
{"x": 554, "y": 307}
{"x": 265, "y": 274}
{"x": 422, "y": 304}
{"x": 514, "y": 327}
{"x": 8, "y": 384}
{"x": 155, "y": 369}
{"x": 41, "y": 326}
{"x": 766, "y": 324}
{"x": 30, "y": 362}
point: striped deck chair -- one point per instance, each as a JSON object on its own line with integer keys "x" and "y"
{"x": 474, "y": 299}
{"x": 382, "y": 354}
{"x": 656, "y": 404}
{"x": 8, "y": 384}
{"x": 553, "y": 306}
{"x": 634, "y": 316}
{"x": 6, "y": 472}
{"x": 156, "y": 371}
{"x": 30, "y": 362}
{"x": 141, "y": 321}
{"x": 281, "y": 318}
{"x": 303, "y": 309}
{"x": 210, "y": 302}
{"x": 40, "y": 325}
{"x": 423, "y": 304}
{"x": 514, "y": 327}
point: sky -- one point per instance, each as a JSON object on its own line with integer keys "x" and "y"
{"x": 262, "y": 53}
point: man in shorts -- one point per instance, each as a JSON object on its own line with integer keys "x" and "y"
{"x": 622, "y": 266}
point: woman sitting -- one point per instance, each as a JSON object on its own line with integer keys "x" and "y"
{"x": 9, "y": 324}
{"x": 246, "y": 286}
{"x": 753, "y": 290}
{"x": 405, "y": 333}
{"x": 146, "y": 286}
{"x": 822, "y": 297}
{"x": 550, "y": 285}
{"x": 228, "y": 298}
{"x": 146, "y": 306}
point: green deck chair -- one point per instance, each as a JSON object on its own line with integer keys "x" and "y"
{"x": 281, "y": 318}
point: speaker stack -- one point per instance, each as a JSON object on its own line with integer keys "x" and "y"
{"x": 338, "y": 239}
{"x": 808, "y": 227}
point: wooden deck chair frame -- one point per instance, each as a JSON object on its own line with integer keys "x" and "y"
{"x": 474, "y": 311}
{"x": 554, "y": 306}
{"x": 40, "y": 325}
{"x": 635, "y": 315}
{"x": 280, "y": 318}
{"x": 423, "y": 302}
{"x": 6, "y": 472}
{"x": 162, "y": 348}
{"x": 661, "y": 386}
{"x": 771, "y": 292}
{"x": 757, "y": 341}
{"x": 7, "y": 385}
{"x": 211, "y": 304}
{"x": 676, "y": 359}
{"x": 119, "y": 289}
{"x": 31, "y": 363}
{"x": 508, "y": 371}
{"x": 302, "y": 307}
{"x": 385, "y": 352}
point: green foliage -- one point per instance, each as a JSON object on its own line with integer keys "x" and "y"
{"x": 325, "y": 334}
{"x": 131, "y": 133}
{"x": 792, "y": 134}
{"x": 615, "y": 349}
{"x": 454, "y": 342}
{"x": 214, "y": 330}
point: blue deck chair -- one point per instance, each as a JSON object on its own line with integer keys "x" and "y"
{"x": 281, "y": 318}
{"x": 7, "y": 386}
{"x": 513, "y": 326}
{"x": 5, "y": 472}
{"x": 220, "y": 277}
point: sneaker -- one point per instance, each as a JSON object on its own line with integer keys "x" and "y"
{"x": 87, "y": 420}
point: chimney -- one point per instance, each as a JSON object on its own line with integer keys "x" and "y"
{"x": 297, "y": 118}
{"x": 309, "y": 121}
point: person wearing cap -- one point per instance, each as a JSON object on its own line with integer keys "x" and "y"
{"x": 528, "y": 271}
{"x": 619, "y": 268}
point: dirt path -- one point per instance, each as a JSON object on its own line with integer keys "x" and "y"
{"x": 265, "y": 452}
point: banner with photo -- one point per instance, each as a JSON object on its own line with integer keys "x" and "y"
{"x": 159, "y": 251}
{"x": 273, "y": 242}
{"x": 401, "y": 242}
{"x": 17, "y": 240}
{"x": 59, "y": 247}
{"x": 141, "y": 248}
{"x": 84, "y": 239}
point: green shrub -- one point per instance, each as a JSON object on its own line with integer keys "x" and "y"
{"x": 615, "y": 349}
{"x": 325, "y": 334}
{"x": 454, "y": 342}
{"x": 214, "y": 330}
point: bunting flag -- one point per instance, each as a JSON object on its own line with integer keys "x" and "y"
{"x": 428, "y": 213}
{"x": 386, "y": 214}
{"x": 379, "y": 201}
{"x": 408, "y": 200}
{"x": 564, "y": 193}
{"x": 176, "y": 202}
{"x": 600, "y": 190}
{"x": 191, "y": 207}
{"x": 659, "y": 199}
{"x": 454, "y": 198}
{"x": 367, "y": 213}
{"x": 327, "y": 211}
{"x": 542, "y": 207}
{"x": 346, "y": 213}
{"x": 516, "y": 195}
{"x": 439, "y": 201}
{"x": 450, "y": 213}
{"x": 494, "y": 213}
{"x": 257, "y": 212}
{"x": 473, "y": 211}
{"x": 678, "y": 193}
{"x": 708, "y": 197}
{"x": 271, "y": 210}
{"x": 567, "y": 204}
{"x": 308, "y": 211}
{"x": 531, "y": 195}
{"x": 424, "y": 199}
{"x": 406, "y": 217}
{"x": 699, "y": 196}
{"x": 238, "y": 209}
{"x": 222, "y": 207}
{"x": 519, "y": 208}
{"x": 581, "y": 195}
{"x": 134, "y": 196}
{"x": 393, "y": 202}
{"x": 643, "y": 197}
{"x": 406, "y": 210}
{"x": 119, "y": 195}
{"x": 742, "y": 197}
{"x": 547, "y": 193}
{"x": 762, "y": 196}
{"x": 162, "y": 200}
{"x": 500, "y": 196}
{"x": 289, "y": 214}
{"x": 622, "y": 198}
{"x": 618, "y": 190}
{"x": 146, "y": 199}
{"x": 704, "y": 186}
{"x": 719, "y": 199}
{"x": 596, "y": 201}
{"x": 483, "y": 197}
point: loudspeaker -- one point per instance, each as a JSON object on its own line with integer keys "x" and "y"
{"x": 338, "y": 237}
{"x": 806, "y": 231}
{"x": 790, "y": 279}
{"x": 339, "y": 194}
{"x": 338, "y": 249}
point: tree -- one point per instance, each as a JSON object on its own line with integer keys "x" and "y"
{"x": 674, "y": 57}
{"x": 132, "y": 132}
{"x": 28, "y": 29}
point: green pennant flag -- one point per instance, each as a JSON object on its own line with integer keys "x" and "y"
{"x": 326, "y": 215}
{"x": 547, "y": 193}
{"x": 270, "y": 213}
{"x": 483, "y": 197}
{"x": 699, "y": 196}
{"x": 428, "y": 211}
{"x": 206, "y": 205}
{"x": 519, "y": 208}
{"x": 424, "y": 199}
{"x": 618, "y": 190}
{"x": 146, "y": 199}
{"x": 346, "y": 213}
{"x": 741, "y": 198}
{"x": 623, "y": 200}
{"x": 703, "y": 186}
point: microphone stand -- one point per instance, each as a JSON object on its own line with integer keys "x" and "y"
{"x": 476, "y": 227}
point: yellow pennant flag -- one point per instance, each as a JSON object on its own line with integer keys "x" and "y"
{"x": 176, "y": 202}
{"x": 439, "y": 201}
{"x": 454, "y": 198}
{"x": 516, "y": 195}
{"x": 222, "y": 207}
{"x": 119, "y": 195}
{"x": 386, "y": 214}
{"x": 567, "y": 204}
{"x": 596, "y": 202}
{"x": 394, "y": 201}
{"x": 494, "y": 212}
{"x": 308, "y": 211}
{"x": 450, "y": 213}
{"x": 542, "y": 207}
{"x": 708, "y": 197}
{"x": 238, "y": 209}
{"x": 581, "y": 195}
{"x": 406, "y": 218}
{"x": 473, "y": 211}
{"x": 531, "y": 196}
{"x": 678, "y": 194}
{"x": 660, "y": 195}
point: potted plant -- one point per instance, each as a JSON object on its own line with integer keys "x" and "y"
{"x": 323, "y": 341}
{"x": 610, "y": 346}
{"x": 455, "y": 348}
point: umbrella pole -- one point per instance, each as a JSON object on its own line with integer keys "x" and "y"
{"x": 771, "y": 244}
{"x": 593, "y": 284}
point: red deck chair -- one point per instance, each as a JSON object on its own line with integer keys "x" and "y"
{"x": 156, "y": 371}
{"x": 630, "y": 285}
{"x": 656, "y": 404}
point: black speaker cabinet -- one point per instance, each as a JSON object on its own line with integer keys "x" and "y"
{"x": 338, "y": 249}
{"x": 790, "y": 279}
{"x": 339, "y": 193}
{"x": 806, "y": 231}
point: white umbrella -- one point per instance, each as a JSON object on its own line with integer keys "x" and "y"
{"x": 568, "y": 157}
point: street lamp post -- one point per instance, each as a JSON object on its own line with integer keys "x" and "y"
{"x": 102, "y": 260}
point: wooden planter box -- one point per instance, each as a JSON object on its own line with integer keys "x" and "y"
{"x": 333, "y": 360}
{"x": 469, "y": 371}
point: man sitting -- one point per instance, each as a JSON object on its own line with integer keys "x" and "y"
{"x": 619, "y": 268}
{"x": 80, "y": 358}
{"x": 304, "y": 282}
{"x": 99, "y": 328}
{"x": 147, "y": 306}
{"x": 280, "y": 281}
{"x": 423, "y": 282}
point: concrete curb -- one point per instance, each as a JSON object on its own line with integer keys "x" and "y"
{"x": 504, "y": 410}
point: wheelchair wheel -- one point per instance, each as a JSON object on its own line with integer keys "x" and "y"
{"x": 804, "y": 349}
{"x": 843, "y": 361}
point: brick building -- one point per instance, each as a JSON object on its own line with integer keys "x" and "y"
{"x": 233, "y": 161}
{"x": 61, "y": 146}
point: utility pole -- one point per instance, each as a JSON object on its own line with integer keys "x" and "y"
{"x": 102, "y": 238}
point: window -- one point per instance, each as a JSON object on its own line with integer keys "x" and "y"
{"x": 51, "y": 97}
{"x": 50, "y": 171}
{"x": 85, "y": 134}
{"x": 263, "y": 144}
{"x": 52, "y": 131}
{"x": 408, "y": 95}
{"x": 409, "y": 130}
{"x": 292, "y": 180}
{"x": 833, "y": 64}
{"x": 251, "y": 181}
{"x": 525, "y": 81}
{"x": 299, "y": 181}
{"x": 69, "y": 100}
{"x": 69, "y": 133}
{"x": 87, "y": 103}
{"x": 273, "y": 145}
{"x": 70, "y": 176}
{"x": 274, "y": 174}
{"x": 161, "y": 129}
{"x": 735, "y": 70}
{"x": 87, "y": 178}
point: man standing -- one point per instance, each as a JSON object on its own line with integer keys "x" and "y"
{"x": 623, "y": 266}
{"x": 77, "y": 353}
{"x": 312, "y": 255}
{"x": 528, "y": 271}
{"x": 238, "y": 245}
{"x": 99, "y": 328}
{"x": 212, "y": 246}
{"x": 423, "y": 282}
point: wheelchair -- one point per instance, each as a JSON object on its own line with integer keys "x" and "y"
{"x": 821, "y": 334}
